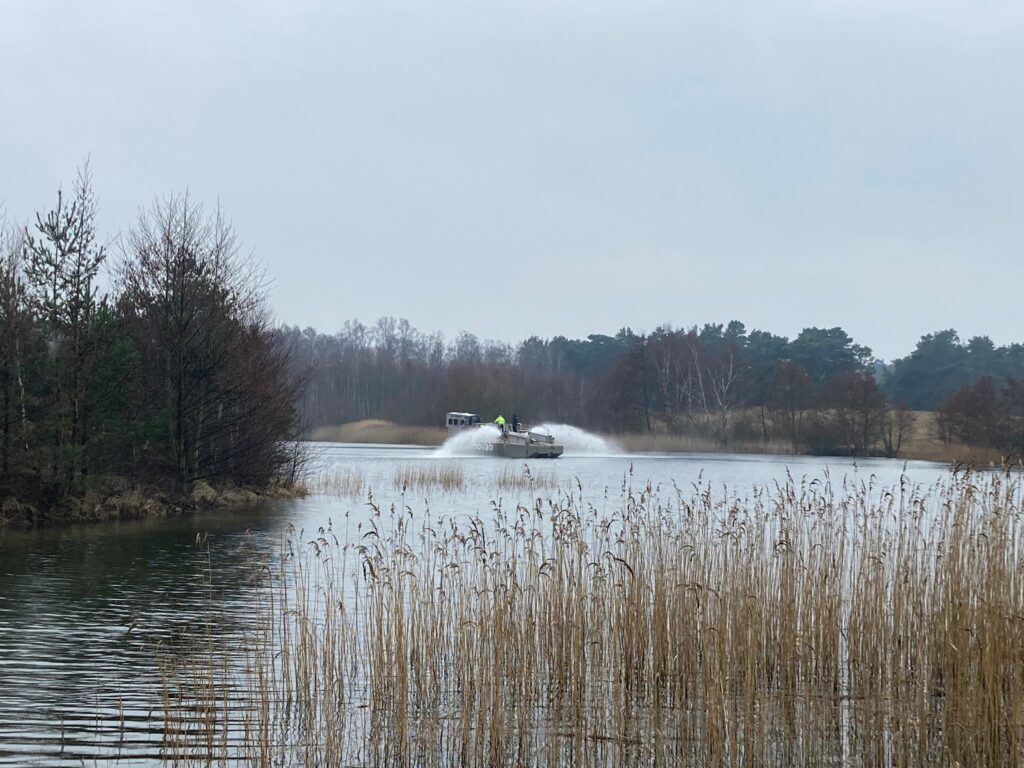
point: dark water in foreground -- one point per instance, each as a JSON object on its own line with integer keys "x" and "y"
{"x": 84, "y": 610}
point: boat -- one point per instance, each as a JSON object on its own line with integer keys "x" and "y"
{"x": 514, "y": 441}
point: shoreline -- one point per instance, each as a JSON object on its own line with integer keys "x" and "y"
{"x": 121, "y": 501}
{"x": 139, "y": 502}
{"x": 920, "y": 444}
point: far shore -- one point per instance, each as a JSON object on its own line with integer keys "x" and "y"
{"x": 921, "y": 444}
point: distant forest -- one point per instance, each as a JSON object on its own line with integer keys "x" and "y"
{"x": 818, "y": 392}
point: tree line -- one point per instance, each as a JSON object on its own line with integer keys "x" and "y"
{"x": 818, "y": 392}
{"x": 175, "y": 374}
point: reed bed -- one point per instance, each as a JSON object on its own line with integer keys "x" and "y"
{"x": 799, "y": 625}
{"x": 447, "y": 477}
{"x": 524, "y": 479}
{"x": 343, "y": 482}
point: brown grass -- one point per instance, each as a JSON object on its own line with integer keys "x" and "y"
{"x": 802, "y": 626}
{"x": 343, "y": 483}
{"x": 448, "y": 477}
{"x": 923, "y": 443}
{"x": 379, "y": 431}
{"x": 522, "y": 478}
{"x": 354, "y": 483}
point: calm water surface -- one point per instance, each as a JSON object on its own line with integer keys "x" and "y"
{"x": 83, "y": 610}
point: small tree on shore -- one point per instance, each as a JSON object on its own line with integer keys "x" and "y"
{"x": 62, "y": 259}
{"x": 975, "y": 416}
{"x": 792, "y": 399}
{"x": 898, "y": 423}
{"x": 855, "y": 411}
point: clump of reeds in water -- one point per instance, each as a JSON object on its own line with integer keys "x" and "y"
{"x": 802, "y": 625}
{"x": 344, "y": 482}
{"x": 523, "y": 478}
{"x": 447, "y": 476}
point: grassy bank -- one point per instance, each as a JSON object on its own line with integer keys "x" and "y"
{"x": 923, "y": 443}
{"x": 804, "y": 625}
{"x": 114, "y": 499}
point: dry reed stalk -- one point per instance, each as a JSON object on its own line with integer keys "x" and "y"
{"x": 802, "y": 625}
{"x": 343, "y": 482}
{"x": 448, "y": 477}
{"x": 523, "y": 478}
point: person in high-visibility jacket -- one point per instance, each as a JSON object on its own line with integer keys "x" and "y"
{"x": 500, "y": 421}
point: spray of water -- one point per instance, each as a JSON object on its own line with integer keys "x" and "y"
{"x": 468, "y": 442}
{"x": 578, "y": 442}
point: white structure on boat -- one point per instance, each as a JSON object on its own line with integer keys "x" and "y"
{"x": 514, "y": 442}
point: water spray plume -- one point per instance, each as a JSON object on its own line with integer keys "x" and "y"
{"x": 578, "y": 441}
{"x": 469, "y": 442}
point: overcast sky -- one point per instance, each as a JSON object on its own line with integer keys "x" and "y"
{"x": 545, "y": 167}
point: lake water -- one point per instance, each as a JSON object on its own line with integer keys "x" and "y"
{"x": 83, "y": 609}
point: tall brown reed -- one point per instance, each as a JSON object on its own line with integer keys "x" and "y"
{"x": 801, "y": 625}
{"x": 447, "y": 476}
{"x": 344, "y": 482}
{"x": 523, "y": 478}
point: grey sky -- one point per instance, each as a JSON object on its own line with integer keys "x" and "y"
{"x": 786, "y": 164}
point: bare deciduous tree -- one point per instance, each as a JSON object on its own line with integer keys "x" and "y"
{"x": 197, "y": 309}
{"x": 855, "y": 414}
{"x": 899, "y": 420}
{"x": 792, "y": 393}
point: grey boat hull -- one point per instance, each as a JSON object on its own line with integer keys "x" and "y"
{"x": 523, "y": 445}
{"x": 514, "y": 449}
